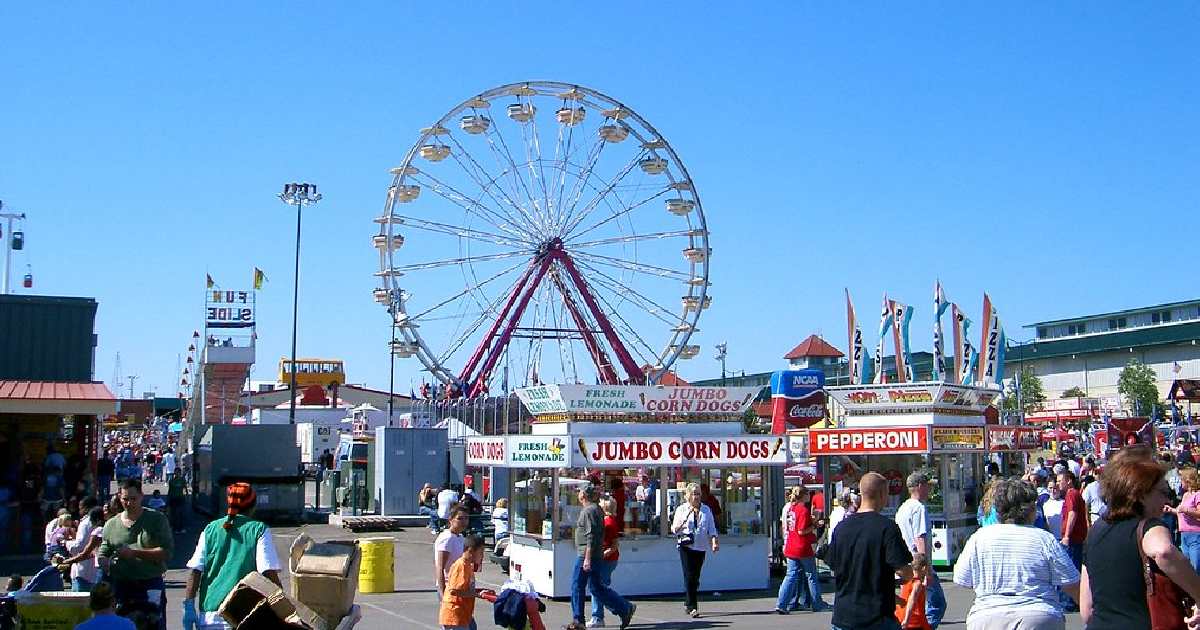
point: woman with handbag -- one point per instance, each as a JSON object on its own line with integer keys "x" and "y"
{"x": 695, "y": 530}
{"x": 1134, "y": 576}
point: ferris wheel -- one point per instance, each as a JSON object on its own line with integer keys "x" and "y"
{"x": 542, "y": 232}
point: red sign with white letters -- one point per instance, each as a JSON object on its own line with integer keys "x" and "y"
{"x": 867, "y": 441}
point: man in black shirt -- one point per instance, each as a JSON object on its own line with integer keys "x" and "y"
{"x": 105, "y": 469}
{"x": 866, "y": 554}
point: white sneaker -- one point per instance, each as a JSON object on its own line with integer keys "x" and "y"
{"x": 595, "y": 623}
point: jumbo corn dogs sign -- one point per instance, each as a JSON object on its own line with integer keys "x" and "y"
{"x": 680, "y": 451}
{"x": 565, "y": 451}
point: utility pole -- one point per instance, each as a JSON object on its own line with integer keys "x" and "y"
{"x": 722, "y": 351}
{"x": 132, "y": 379}
{"x": 8, "y": 243}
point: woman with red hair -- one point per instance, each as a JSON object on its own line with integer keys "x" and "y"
{"x": 1113, "y": 587}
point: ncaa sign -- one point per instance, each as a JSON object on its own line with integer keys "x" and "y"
{"x": 797, "y": 399}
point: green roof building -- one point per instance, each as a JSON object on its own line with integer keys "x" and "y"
{"x": 1090, "y": 351}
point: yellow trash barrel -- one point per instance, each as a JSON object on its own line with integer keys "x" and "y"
{"x": 377, "y": 573}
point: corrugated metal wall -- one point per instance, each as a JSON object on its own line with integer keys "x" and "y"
{"x": 47, "y": 338}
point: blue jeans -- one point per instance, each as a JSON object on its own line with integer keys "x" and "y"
{"x": 935, "y": 601}
{"x": 583, "y": 581}
{"x": 1191, "y": 547}
{"x": 604, "y": 570}
{"x": 801, "y": 579}
{"x": 80, "y": 585}
{"x": 425, "y": 510}
{"x": 887, "y": 623}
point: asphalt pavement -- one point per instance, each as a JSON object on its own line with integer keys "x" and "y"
{"x": 413, "y": 603}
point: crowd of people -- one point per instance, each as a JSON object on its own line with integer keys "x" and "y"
{"x": 1116, "y": 541}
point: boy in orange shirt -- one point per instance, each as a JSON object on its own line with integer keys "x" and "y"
{"x": 910, "y": 606}
{"x": 458, "y": 603}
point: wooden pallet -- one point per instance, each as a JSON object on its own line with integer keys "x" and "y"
{"x": 371, "y": 523}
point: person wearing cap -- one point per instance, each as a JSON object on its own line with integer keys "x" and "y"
{"x": 590, "y": 565}
{"x": 230, "y": 548}
{"x": 913, "y": 519}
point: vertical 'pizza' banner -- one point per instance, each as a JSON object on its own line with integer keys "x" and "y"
{"x": 885, "y": 322}
{"x": 939, "y": 354}
{"x": 858, "y": 353}
{"x": 989, "y": 343}
{"x": 901, "y": 316}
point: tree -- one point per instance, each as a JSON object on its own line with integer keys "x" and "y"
{"x": 1032, "y": 393}
{"x": 1137, "y": 384}
{"x": 753, "y": 424}
{"x": 1074, "y": 392}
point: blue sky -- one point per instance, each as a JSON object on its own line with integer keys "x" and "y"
{"x": 1044, "y": 153}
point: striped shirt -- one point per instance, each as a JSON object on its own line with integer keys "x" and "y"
{"x": 1014, "y": 568}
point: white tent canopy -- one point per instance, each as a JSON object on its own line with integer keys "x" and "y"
{"x": 456, "y": 429}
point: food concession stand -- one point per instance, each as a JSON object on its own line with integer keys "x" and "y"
{"x": 626, "y": 436}
{"x": 895, "y": 429}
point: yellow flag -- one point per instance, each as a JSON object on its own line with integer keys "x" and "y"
{"x": 259, "y": 278}
{"x": 210, "y": 284}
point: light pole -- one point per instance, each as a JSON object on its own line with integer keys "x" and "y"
{"x": 722, "y": 350}
{"x": 297, "y": 195}
{"x": 8, "y": 243}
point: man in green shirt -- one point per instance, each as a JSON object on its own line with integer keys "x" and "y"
{"x": 135, "y": 547}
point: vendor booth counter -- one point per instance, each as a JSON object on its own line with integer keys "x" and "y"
{"x": 896, "y": 429}
{"x": 548, "y": 468}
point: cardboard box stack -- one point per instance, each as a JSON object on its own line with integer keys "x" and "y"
{"x": 256, "y": 602}
{"x": 325, "y": 576}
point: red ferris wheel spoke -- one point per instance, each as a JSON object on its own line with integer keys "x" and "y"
{"x": 607, "y": 374}
{"x": 614, "y": 341}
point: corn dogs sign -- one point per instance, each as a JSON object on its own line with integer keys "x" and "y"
{"x": 750, "y": 451}
{"x": 566, "y": 451}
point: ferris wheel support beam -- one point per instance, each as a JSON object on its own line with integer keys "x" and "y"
{"x": 603, "y": 364}
{"x": 636, "y": 376}
{"x": 478, "y": 383}
{"x": 517, "y": 289}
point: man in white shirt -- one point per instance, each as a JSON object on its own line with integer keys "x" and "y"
{"x": 1094, "y": 502}
{"x": 168, "y": 464}
{"x": 1074, "y": 466}
{"x": 913, "y": 520}
{"x": 446, "y": 499}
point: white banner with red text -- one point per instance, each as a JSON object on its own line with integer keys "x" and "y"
{"x": 575, "y": 451}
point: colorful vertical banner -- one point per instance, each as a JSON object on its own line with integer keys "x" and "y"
{"x": 989, "y": 344}
{"x": 939, "y": 353}
{"x": 965, "y": 356}
{"x": 901, "y": 317}
{"x": 858, "y": 353}
{"x": 885, "y": 322}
